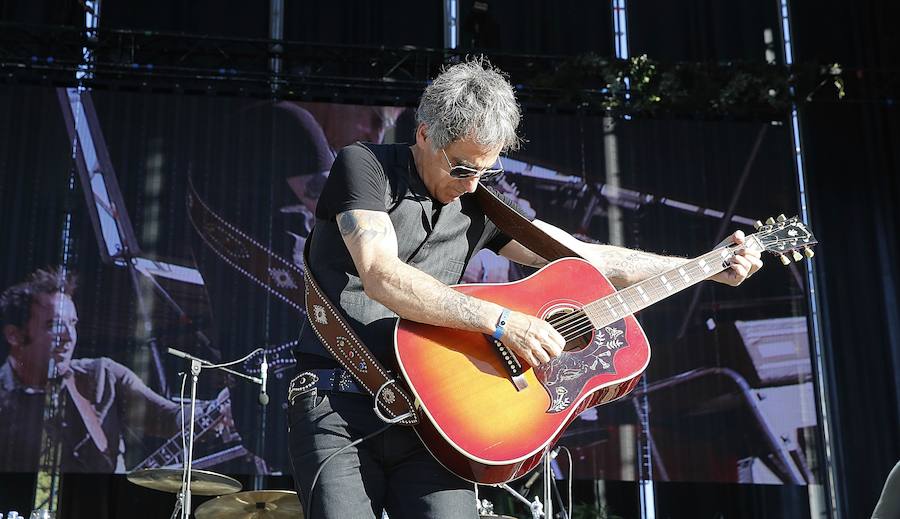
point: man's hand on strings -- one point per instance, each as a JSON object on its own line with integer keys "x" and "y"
{"x": 532, "y": 339}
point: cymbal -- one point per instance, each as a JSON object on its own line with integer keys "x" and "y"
{"x": 262, "y": 504}
{"x": 203, "y": 482}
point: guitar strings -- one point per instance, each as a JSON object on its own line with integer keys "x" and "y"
{"x": 564, "y": 325}
{"x": 576, "y": 317}
{"x": 568, "y": 316}
{"x": 582, "y": 324}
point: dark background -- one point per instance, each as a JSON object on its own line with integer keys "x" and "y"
{"x": 851, "y": 154}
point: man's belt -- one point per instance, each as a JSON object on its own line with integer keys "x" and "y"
{"x": 337, "y": 380}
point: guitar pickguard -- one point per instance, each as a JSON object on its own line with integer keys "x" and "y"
{"x": 565, "y": 376}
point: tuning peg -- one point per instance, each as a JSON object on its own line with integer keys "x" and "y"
{"x": 809, "y": 252}
{"x": 770, "y": 220}
{"x": 784, "y": 259}
{"x": 781, "y": 217}
{"x": 757, "y": 224}
{"x": 796, "y": 255}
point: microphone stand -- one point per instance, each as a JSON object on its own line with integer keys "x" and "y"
{"x": 259, "y": 476}
{"x": 183, "y": 502}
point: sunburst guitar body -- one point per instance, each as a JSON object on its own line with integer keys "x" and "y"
{"x": 476, "y": 422}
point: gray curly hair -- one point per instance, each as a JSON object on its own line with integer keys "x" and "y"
{"x": 473, "y": 100}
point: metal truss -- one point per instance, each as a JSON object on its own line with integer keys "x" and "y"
{"x": 179, "y": 63}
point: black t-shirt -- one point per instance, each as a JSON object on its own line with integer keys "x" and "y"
{"x": 438, "y": 239}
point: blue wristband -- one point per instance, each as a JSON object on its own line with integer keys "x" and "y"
{"x": 501, "y": 325}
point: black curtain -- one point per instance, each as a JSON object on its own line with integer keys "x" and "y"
{"x": 853, "y": 161}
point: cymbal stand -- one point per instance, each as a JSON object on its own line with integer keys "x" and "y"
{"x": 183, "y": 501}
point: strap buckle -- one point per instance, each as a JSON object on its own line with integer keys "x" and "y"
{"x": 389, "y": 398}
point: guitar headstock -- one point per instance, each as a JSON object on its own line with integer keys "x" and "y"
{"x": 782, "y": 236}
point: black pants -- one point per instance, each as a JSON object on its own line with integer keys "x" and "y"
{"x": 391, "y": 471}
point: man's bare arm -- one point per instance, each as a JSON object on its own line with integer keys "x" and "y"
{"x": 624, "y": 266}
{"x": 407, "y": 291}
{"x": 414, "y": 295}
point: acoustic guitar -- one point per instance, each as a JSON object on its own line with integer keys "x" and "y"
{"x": 489, "y": 417}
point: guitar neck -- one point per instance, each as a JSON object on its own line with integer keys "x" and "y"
{"x": 171, "y": 452}
{"x": 627, "y": 301}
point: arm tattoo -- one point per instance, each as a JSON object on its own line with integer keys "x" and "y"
{"x": 415, "y": 295}
{"x": 457, "y": 306}
{"x": 363, "y": 228}
{"x": 629, "y": 266}
{"x": 534, "y": 260}
{"x": 408, "y": 291}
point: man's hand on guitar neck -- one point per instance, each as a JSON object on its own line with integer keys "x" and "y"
{"x": 743, "y": 265}
{"x": 532, "y": 339}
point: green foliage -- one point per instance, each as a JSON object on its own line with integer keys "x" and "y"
{"x": 641, "y": 86}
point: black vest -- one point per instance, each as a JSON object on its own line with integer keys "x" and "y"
{"x": 436, "y": 239}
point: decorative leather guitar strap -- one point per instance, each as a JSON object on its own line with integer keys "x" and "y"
{"x": 284, "y": 280}
{"x": 273, "y": 273}
{"x": 520, "y": 228}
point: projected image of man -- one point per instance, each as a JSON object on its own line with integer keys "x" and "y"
{"x": 99, "y": 399}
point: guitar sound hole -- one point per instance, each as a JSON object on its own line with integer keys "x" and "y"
{"x": 579, "y": 343}
{"x": 558, "y": 320}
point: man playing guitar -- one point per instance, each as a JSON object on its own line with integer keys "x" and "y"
{"x": 395, "y": 225}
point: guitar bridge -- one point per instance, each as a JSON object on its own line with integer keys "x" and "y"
{"x": 512, "y": 365}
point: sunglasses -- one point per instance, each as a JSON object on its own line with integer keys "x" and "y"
{"x": 485, "y": 174}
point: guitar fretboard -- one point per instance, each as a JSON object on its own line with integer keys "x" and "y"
{"x": 654, "y": 289}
